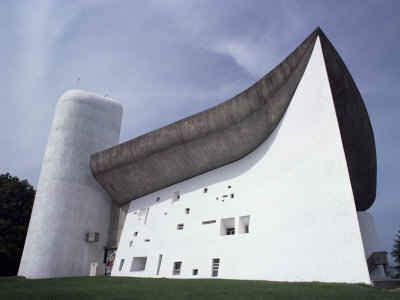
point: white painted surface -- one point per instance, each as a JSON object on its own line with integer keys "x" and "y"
{"x": 370, "y": 239}
{"x": 296, "y": 189}
{"x": 69, "y": 202}
{"x": 93, "y": 269}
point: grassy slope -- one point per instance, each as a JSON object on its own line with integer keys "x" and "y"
{"x": 131, "y": 288}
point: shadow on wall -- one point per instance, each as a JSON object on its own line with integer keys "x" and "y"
{"x": 221, "y": 174}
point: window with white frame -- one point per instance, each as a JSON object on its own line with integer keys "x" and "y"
{"x": 227, "y": 226}
{"x": 215, "y": 267}
{"x": 138, "y": 263}
{"x": 244, "y": 223}
{"x": 177, "y": 268}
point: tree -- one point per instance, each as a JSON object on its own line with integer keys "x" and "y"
{"x": 396, "y": 254}
{"x": 16, "y": 200}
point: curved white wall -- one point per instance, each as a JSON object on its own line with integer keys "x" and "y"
{"x": 69, "y": 202}
{"x": 296, "y": 189}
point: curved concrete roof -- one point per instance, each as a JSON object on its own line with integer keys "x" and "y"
{"x": 231, "y": 130}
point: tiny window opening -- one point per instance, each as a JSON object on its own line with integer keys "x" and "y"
{"x": 208, "y": 222}
{"x": 121, "y": 264}
{"x": 177, "y": 268}
{"x": 176, "y": 196}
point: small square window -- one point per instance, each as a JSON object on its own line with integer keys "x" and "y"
{"x": 187, "y": 210}
{"x": 229, "y": 186}
{"x": 130, "y": 243}
{"x": 205, "y": 190}
{"x": 244, "y": 224}
{"x": 230, "y": 231}
{"x": 177, "y": 268}
{"x": 176, "y": 196}
{"x": 227, "y": 226}
{"x": 232, "y": 195}
{"x": 179, "y": 226}
{"x": 195, "y": 272}
{"x": 157, "y": 199}
{"x": 135, "y": 233}
{"x": 138, "y": 264}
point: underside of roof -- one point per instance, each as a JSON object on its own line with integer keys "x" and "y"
{"x": 229, "y": 131}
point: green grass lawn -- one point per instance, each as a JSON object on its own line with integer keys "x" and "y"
{"x": 141, "y": 288}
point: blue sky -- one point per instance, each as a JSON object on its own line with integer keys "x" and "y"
{"x": 166, "y": 60}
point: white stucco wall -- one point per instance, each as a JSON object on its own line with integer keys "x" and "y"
{"x": 69, "y": 202}
{"x": 296, "y": 189}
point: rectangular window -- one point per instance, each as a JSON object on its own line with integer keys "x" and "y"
{"x": 157, "y": 199}
{"x": 187, "y": 211}
{"x": 244, "y": 223}
{"x": 159, "y": 264}
{"x": 232, "y": 195}
{"x": 179, "y": 226}
{"x": 177, "y": 268}
{"x": 176, "y": 196}
{"x": 208, "y": 222}
{"x": 143, "y": 213}
{"x": 205, "y": 190}
{"x": 138, "y": 263}
{"x": 121, "y": 264}
{"x": 130, "y": 243}
{"x": 215, "y": 267}
{"x": 195, "y": 272}
{"x": 227, "y": 226}
{"x": 135, "y": 233}
{"x": 147, "y": 240}
{"x": 229, "y": 186}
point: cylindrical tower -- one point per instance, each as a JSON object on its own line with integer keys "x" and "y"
{"x": 69, "y": 202}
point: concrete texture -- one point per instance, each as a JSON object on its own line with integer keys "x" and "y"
{"x": 204, "y": 141}
{"x": 69, "y": 202}
{"x": 294, "y": 190}
{"x": 235, "y": 128}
